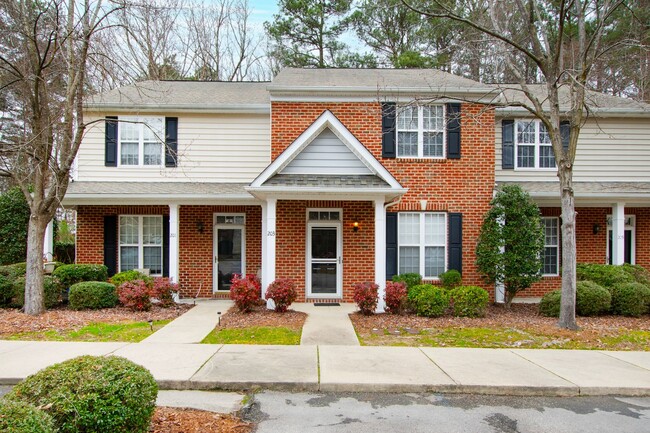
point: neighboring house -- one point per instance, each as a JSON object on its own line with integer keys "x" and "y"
{"x": 333, "y": 177}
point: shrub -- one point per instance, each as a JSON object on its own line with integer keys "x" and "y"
{"x": 21, "y": 417}
{"x": 396, "y": 296}
{"x": 549, "y": 306}
{"x": 603, "y": 275}
{"x": 431, "y": 302}
{"x": 6, "y": 290}
{"x": 283, "y": 292}
{"x": 92, "y": 295}
{"x": 135, "y": 295}
{"x": 72, "y": 274}
{"x": 245, "y": 291}
{"x": 410, "y": 279}
{"x": 592, "y": 299}
{"x": 51, "y": 291}
{"x": 163, "y": 291}
{"x": 640, "y": 274}
{"x": 93, "y": 394}
{"x": 132, "y": 275}
{"x": 14, "y": 220}
{"x": 450, "y": 279}
{"x": 365, "y": 295}
{"x": 414, "y": 291}
{"x": 14, "y": 271}
{"x": 470, "y": 301}
{"x": 629, "y": 299}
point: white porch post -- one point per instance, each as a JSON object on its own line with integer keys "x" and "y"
{"x": 380, "y": 254}
{"x": 173, "y": 242}
{"x": 268, "y": 246}
{"x": 618, "y": 233}
{"x": 48, "y": 244}
{"x": 499, "y": 287}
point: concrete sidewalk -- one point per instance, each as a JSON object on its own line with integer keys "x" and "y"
{"x": 327, "y": 325}
{"x": 360, "y": 368}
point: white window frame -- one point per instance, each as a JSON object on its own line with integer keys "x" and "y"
{"x": 421, "y": 131}
{"x": 140, "y": 243}
{"x": 141, "y": 123}
{"x": 422, "y": 242}
{"x": 556, "y": 246}
{"x": 535, "y": 145}
{"x": 630, "y": 224}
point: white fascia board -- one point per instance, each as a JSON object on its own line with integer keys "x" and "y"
{"x": 148, "y": 199}
{"x": 320, "y": 193}
{"x": 593, "y": 112}
{"x": 179, "y": 108}
{"x": 327, "y": 119}
{"x": 444, "y": 90}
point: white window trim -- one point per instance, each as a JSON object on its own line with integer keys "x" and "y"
{"x": 422, "y": 246}
{"x": 536, "y": 146}
{"x": 421, "y": 131}
{"x": 141, "y": 124}
{"x": 557, "y": 247}
{"x": 215, "y": 249}
{"x": 140, "y": 244}
{"x": 632, "y": 227}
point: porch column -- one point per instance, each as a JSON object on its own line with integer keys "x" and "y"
{"x": 268, "y": 246}
{"x": 380, "y": 254}
{"x": 499, "y": 287}
{"x": 618, "y": 233}
{"x": 173, "y": 242}
{"x": 48, "y": 244}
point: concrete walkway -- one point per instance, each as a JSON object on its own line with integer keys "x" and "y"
{"x": 327, "y": 325}
{"x": 358, "y": 369}
{"x": 193, "y": 326}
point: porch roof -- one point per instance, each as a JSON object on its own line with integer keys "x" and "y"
{"x": 325, "y": 181}
{"x": 134, "y": 193}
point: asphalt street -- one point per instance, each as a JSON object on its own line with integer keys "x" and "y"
{"x": 411, "y": 413}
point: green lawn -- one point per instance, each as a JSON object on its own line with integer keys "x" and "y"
{"x": 131, "y": 332}
{"x": 254, "y": 335}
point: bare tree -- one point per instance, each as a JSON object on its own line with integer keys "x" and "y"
{"x": 44, "y": 65}
{"x": 560, "y": 41}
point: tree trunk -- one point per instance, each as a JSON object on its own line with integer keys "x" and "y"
{"x": 568, "y": 304}
{"x": 509, "y": 296}
{"x": 34, "y": 302}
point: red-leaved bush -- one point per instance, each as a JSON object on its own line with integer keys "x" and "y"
{"x": 396, "y": 296}
{"x": 283, "y": 292}
{"x": 245, "y": 291}
{"x": 162, "y": 290}
{"x": 135, "y": 295}
{"x": 365, "y": 295}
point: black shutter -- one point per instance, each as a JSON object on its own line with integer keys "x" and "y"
{"x": 110, "y": 244}
{"x": 565, "y": 132}
{"x": 171, "y": 141}
{"x": 165, "y": 241}
{"x": 110, "y": 141}
{"x": 507, "y": 144}
{"x": 391, "y": 245}
{"x": 453, "y": 131}
{"x": 455, "y": 254}
{"x": 388, "y": 147}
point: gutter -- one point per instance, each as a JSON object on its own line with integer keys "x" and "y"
{"x": 179, "y": 108}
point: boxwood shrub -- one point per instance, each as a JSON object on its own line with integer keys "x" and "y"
{"x": 15, "y": 270}
{"x": 592, "y": 299}
{"x": 410, "y": 279}
{"x": 92, "y": 295}
{"x": 450, "y": 279}
{"x": 21, "y": 417}
{"x": 431, "y": 302}
{"x": 51, "y": 291}
{"x": 72, "y": 274}
{"x": 549, "y": 306}
{"x": 469, "y": 301}
{"x": 629, "y": 299}
{"x": 132, "y": 275}
{"x": 93, "y": 394}
{"x": 604, "y": 275}
{"x": 414, "y": 291}
{"x": 6, "y": 290}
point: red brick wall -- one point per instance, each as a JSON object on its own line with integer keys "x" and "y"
{"x": 195, "y": 257}
{"x": 463, "y": 185}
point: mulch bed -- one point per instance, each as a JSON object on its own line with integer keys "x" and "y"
{"x": 261, "y": 316}
{"x": 173, "y": 420}
{"x": 12, "y": 321}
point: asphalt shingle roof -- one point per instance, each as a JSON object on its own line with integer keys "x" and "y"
{"x": 155, "y": 188}
{"x": 586, "y": 188}
{"x": 325, "y": 181}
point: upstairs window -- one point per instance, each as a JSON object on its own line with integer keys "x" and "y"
{"x": 141, "y": 141}
{"x": 534, "y": 149}
{"x": 421, "y": 131}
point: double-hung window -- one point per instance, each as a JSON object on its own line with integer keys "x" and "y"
{"x": 551, "y": 256}
{"x": 141, "y": 240}
{"x": 141, "y": 141}
{"x": 421, "y": 131}
{"x": 534, "y": 149}
{"x": 422, "y": 241}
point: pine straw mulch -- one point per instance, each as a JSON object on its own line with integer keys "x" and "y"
{"x": 12, "y": 321}
{"x": 173, "y": 420}
{"x": 521, "y": 318}
{"x": 261, "y": 316}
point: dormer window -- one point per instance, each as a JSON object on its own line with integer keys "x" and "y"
{"x": 141, "y": 141}
{"x": 421, "y": 131}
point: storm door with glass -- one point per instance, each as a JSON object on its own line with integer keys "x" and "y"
{"x": 229, "y": 250}
{"x": 324, "y": 254}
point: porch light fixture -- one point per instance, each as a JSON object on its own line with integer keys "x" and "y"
{"x": 355, "y": 226}
{"x": 596, "y": 229}
{"x": 199, "y": 226}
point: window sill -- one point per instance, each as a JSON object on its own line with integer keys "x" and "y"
{"x": 550, "y": 275}
{"x": 422, "y": 160}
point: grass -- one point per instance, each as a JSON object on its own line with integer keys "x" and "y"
{"x": 131, "y": 332}
{"x": 512, "y": 338}
{"x": 254, "y": 335}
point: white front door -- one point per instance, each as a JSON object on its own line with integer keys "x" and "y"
{"x": 229, "y": 250}
{"x": 324, "y": 260}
